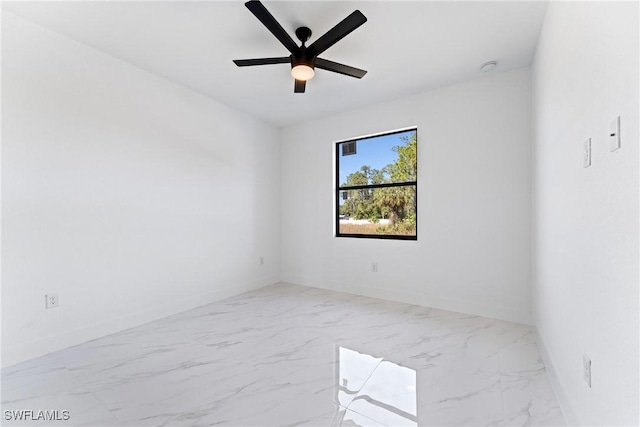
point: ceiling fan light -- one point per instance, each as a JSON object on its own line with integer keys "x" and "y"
{"x": 302, "y": 72}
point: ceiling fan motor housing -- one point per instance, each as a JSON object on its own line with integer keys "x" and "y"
{"x": 304, "y": 55}
{"x": 303, "y": 58}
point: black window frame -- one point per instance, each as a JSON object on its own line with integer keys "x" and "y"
{"x": 340, "y": 188}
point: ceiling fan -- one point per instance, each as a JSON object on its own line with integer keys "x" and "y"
{"x": 304, "y": 59}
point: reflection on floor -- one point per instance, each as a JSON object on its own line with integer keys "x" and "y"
{"x": 293, "y": 355}
{"x": 371, "y": 389}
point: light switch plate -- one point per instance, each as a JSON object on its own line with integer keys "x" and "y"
{"x": 586, "y": 153}
{"x": 614, "y": 134}
{"x": 586, "y": 369}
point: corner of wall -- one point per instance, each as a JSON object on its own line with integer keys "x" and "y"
{"x": 563, "y": 400}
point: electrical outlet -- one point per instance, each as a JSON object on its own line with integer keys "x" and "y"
{"x": 261, "y": 260}
{"x": 51, "y": 300}
{"x": 586, "y": 370}
{"x": 374, "y": 267}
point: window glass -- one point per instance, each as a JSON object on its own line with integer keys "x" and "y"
{"x": 377, "y": 186}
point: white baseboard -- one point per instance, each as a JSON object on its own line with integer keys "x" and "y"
{"x": 451, "y": 304}
{"x": 37, "y": 348}
{"x": 565, "y": 406}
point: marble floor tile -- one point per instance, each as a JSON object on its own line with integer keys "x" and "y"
{"x": 293, "y": 355}
{"x": 530, "y": 402}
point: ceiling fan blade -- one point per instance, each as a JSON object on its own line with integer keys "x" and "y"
{"x": 299, "y": 86}
{"x": 335, "y": 34}
{"x": 262, "y": 61}
{"x": 340, "y": 68}
{"x": 272, "y": 25}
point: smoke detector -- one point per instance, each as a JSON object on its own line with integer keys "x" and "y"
{"x": 487, "y": 67}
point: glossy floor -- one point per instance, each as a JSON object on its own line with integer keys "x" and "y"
{"x": 293, "y": 355}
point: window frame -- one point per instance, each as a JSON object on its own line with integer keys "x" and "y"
{"x": 339, "y": 188}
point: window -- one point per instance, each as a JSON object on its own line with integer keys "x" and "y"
{"x": 376, "y": 186}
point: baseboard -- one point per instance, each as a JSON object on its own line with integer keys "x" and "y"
{"x": 563, "y": 401}
{"x": 33, "y": 349}
{"x": 450, "y": 304}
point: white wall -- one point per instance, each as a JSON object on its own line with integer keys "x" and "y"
{"x": 586, "y": 282}
{"x": 130, "y": 196}
{"x": 474, "y": 191}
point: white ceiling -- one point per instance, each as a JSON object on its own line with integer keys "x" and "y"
{"x": 407, "y": 47}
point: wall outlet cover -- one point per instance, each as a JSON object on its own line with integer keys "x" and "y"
{"x": 51, "y": 300}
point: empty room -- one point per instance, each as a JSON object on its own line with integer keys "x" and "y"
{"x": 320, "y": 213}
